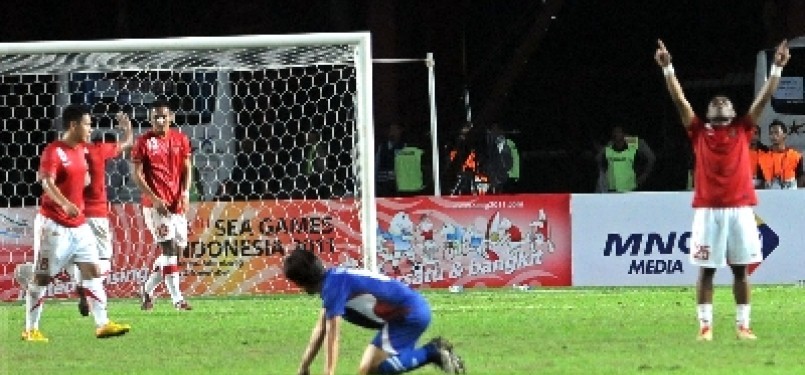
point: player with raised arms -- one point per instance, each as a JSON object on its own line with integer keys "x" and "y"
{"x": 97, "y": 205}
{"x": 724, "y": 231}
{"x": 374, "y": 301}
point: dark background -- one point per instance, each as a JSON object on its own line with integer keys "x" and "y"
{"x": 562, "y": 73}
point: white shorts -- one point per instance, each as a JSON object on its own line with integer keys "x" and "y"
{"x": 102, "y": 236}
{"x": 722, "y": 236}
{"x": 166, "y": 228}
{"x": 56, "y": 246}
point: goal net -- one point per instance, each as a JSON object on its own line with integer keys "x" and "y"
{"x": 281, "y": 131}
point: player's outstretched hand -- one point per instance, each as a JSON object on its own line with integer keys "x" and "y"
{"x": 782, "y": 54}
{"x": 123, "y": 121}
{"x": 662, "y": 56}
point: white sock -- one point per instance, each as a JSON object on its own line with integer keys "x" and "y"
{"x": 96, "y": 295}
{"x": 705, "y": 314}
{"x": 172, "y": 280}
{"x": 34, "y": 302}
{"x": 105, "y": 265}
{"x": 742, "y": 315}
{"x": 156, "y": 275}
{"x": 75, "y": 274}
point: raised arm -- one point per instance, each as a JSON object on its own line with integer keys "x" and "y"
{"x": 781, "y": 56}
{"x": 663, "y": 59}
{"x": 124, "y": 124}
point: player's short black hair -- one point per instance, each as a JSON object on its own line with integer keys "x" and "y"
{"x": 780, "y": 124}
{"x": 304, "y": 269}
{"x": 73, "y": 112}
{"x": 161, "y": 103}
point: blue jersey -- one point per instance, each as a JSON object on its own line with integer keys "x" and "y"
{"x": 368, "y": 299}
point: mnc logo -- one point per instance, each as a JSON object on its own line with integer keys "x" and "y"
{"x": 646, "y": 244}
{"x": 653, "y": 244}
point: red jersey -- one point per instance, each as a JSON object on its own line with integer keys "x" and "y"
{"x": 95, "y": 194}
{"x": 163, "y": 160}
{"x": 722, "y": 175}
{"x": 68, "y": 168}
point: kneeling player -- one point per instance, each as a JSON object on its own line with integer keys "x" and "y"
{"x": 374, "y": 301}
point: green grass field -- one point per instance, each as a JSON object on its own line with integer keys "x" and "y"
{"x": 552, "y": 331}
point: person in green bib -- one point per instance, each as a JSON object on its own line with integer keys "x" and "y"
{"x": 625, "y": 163}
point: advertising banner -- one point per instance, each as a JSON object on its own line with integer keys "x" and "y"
{"x": 237, "y": 247}
{"x": 643, "y": 239}
{"x": 475, "y": 241}
{"x": 233, "y": 248}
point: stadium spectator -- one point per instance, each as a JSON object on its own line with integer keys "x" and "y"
{"x": 496, "y": 161}
{"x": 163, "y": 172}
{"x": 756, "y": 148}
{"x": 385, "y": 151}
{"x": 61, "y": 232}
{"x": 357, "y": 296}
{"x": 724, "y": 229}
{"x": 625, "y": 163}
{"x": 780, "y": 166}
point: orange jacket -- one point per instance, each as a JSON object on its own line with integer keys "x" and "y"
{"x": 779, "y": 164}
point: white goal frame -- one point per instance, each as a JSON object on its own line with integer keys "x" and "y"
{"x": 363, "y": 67}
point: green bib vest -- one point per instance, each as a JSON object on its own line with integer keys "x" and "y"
{"x": 514, "y": 173}
{"x": 620, "y": 168}
{"x": 408, "y": 169}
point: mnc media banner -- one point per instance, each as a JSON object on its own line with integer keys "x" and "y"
{"x": 642, "y": 239}
{"x": 476, "y": 240}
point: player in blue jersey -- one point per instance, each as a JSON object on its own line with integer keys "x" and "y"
{"x": 374, "y": 301}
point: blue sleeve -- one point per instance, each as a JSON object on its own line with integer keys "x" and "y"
{"x": 334, "y": 297}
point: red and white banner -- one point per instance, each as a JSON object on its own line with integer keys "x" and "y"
{"x": 476, "y": 240}
{"x": 237, "y": 247}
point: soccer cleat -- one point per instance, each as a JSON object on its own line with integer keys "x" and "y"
{"x": 182, "y": 305}
{"x": 34, "y": 335}
{"x": 146, "y": 303}
{"x": 745, "y": 333}
{"x": 705, "y": 334}
{"x": 83, "y": 305}
{"x": 111, "y": 329}
{"x": 447, "y": 361}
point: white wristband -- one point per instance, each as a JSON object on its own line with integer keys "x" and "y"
{"x": 668, "y": 70}
{"x": 776, "y": 71}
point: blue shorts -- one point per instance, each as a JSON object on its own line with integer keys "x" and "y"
{"x": 403, "y": 334}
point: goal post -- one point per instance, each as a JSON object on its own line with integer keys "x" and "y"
{"x": 283, "y": 143}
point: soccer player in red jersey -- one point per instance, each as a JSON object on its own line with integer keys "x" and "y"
{"x": 724, "y": 229}
{"x": 162, "y": 171}
{"x": 96, "y": 204}
{"x": 61, "y": 233}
